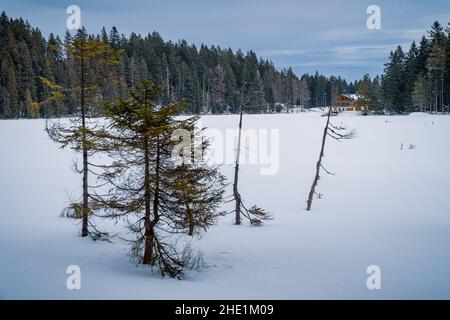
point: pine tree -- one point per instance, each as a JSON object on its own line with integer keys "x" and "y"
{"x": 436, "y": 69}
{"x": 10, "y": 94}
{"x": 447, "y": 70}
{"x": 218, "y": 89}
{"x": 436, "y": 34}
{"x": 114, "y": 38}
{"x": 411, "y": 70}
{"x": 157, "y": 195}
{"x": 253, "y": 85}
{"x": 420, "y": 93}
{"x": 289, "y": 90}
{"x": 393, "y": 82}
{"x": 85, "y": 54}
{"x": 375, "y": 104}
{"x": 304, "y": 92}
{"x": 364, "y": 94}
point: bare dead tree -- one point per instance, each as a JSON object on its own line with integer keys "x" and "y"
{"x": 338, "y": 133}
{"x": 237, "y": 196}
{"x": 255, "y": 214}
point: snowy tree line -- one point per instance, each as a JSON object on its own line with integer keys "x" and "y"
{"x": 209, "y": 78}
{"x": 417, "y": 80}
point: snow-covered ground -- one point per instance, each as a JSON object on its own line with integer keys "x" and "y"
{"x": 385, "y": 207}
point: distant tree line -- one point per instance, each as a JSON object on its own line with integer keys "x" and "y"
{"x": 209, "y": 78}
{"x": 418, "y": 80}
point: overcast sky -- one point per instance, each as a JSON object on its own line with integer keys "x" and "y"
{"x": 330, "y": 36}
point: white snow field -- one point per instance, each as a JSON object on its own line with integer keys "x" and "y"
{"x": 385, "y": 207}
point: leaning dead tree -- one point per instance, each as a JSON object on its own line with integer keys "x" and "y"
{"x": 338, "y": 133}
{"x": 255, "y": 214}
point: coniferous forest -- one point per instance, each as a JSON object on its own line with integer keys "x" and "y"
{"x": 210, "y": 78}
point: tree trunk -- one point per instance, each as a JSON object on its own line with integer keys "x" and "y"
{"x": 237, "y": 197}
{"x": 168, "y": 83}
{"x": 84, "y": 230}
{"x": 148, "y": 225}
{"x": 319, "y": 164}
{"x": 157, "y": 182}
{"x": 190, "y": 220}
{"x": 85, "y": 209}
{"x": 149, "y": 240}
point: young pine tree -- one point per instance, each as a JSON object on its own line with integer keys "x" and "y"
{"x": 86, "y": 55}
{"x": 158, "y": 195}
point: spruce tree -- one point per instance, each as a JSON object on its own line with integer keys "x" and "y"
{"x": 364, "y": 94}
{"x": 85, "y": 54}
{"x": 420, "y": 94}
{"x": 447, "y": 70}
{"x": 158, "y": 195}
{"x": 436, "y": 69}
{"x": 393, "y": 82}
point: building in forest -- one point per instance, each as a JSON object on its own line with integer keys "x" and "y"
{"x": 345, "y": 102}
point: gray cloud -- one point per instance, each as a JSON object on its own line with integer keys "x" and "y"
{"x": 329, "y": 35}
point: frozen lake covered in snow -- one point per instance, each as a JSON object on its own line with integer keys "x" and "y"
{"x": 385, "y": 206}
